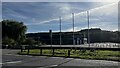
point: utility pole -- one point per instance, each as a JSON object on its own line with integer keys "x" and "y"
{"x": 60, "y": 30}
{"x": 88, "y": 28}
{"x": 73, "y": 29}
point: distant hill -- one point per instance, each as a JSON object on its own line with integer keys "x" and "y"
{"x": 96, "y": 36}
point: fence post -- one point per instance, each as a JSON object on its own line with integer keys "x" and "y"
{"x": 21, "y": 49}
{"x": 40, "y": 51}
{"x": 68, "y": 53}
{"x": 53, "y": 51}
{"x": 28, "y": 49}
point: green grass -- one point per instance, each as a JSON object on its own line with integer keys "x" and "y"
{"x": 97, "y": 54}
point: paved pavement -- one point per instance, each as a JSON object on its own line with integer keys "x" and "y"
{"x": 93, "y": 45}
{"x": 10, "y": 58}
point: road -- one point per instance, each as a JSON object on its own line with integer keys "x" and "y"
{"x": 10, "y": 58}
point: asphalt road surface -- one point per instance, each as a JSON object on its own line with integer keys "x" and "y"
{"x": 10, "y": 58}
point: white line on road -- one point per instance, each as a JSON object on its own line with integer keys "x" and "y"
{"x": 12, "y": 62}
{"x": 1, "y": 63}
{"x": 49, "y": 66}
{"x": 18, "y": 55}
{"x": 8, "y": 54}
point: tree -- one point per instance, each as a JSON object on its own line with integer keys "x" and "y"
{"x": 8, "y": 41}
{"x": 13, "y": 30}
{"x": 30, "y": 41}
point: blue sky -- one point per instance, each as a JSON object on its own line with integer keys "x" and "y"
{"x": 42, "y": 16}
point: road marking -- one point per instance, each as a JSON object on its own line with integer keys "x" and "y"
{"x": 12, "y": 62}
{"x": 18, "y": 55}
{"x": 48, "y": 66}
{"x": 54, "y": 65}
{"x": 8, "y": 54}
{"x": 1, "y": 63}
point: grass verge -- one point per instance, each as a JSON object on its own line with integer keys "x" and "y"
{"x": 82, "y": 54}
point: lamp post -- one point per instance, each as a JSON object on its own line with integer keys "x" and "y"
{"x": 88, "y": 28}
{"x": 73, "y": 28}
{"x": 60, "y": 29}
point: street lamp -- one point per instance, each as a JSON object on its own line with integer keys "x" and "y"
{"x": 88, "y": 28}
{"x": 73, "y": 29}
{"x": 60, "y": 29}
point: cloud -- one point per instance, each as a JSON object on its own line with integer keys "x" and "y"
{"x": 108, "y": 10}
{"x": 10, "y": 13}
{"x": 45, "y": 16}
{"x": 71, "y": 29}
{"x": 60, "y": 0}
{"x": 0, "y": 11}
{"x": 77, "y": 29}
{"x": 106, "y": 19}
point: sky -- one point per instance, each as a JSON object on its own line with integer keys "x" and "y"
{"x": 59, "y": 0}
{"x": 42, "y": 16}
